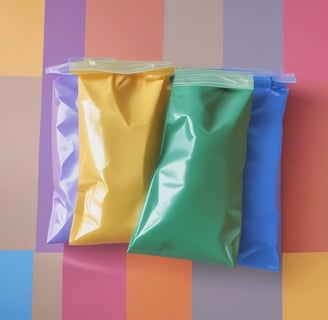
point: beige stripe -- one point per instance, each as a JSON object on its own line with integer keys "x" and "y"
{"x": 47, "y": 286}
{"x": 19, "y": 143}
{"x": 193, "y": 32}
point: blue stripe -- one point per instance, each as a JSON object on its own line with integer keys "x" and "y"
{"x": 16, "y": 278}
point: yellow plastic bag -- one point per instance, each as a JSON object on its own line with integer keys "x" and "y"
{"x": 122, "y": 106}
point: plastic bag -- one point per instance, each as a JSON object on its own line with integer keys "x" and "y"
{"x": 122, "y": 107}
{"x": 260, "y": 238}
{"x": 193, "y": 206}
{"x": 65, "y": 147}
{"x": 65, "y": 157}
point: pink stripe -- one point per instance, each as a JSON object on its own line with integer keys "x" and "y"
{"x": 125, "y": 29}
{"x": 94, "y": 282}
{"x": 305, "y": 154}
{"x": 305, "y": 39}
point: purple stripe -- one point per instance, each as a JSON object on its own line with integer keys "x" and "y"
{"x": 243, "y": 293}
{"x": 64, "y": 37}
{"x": 252, "y": 33}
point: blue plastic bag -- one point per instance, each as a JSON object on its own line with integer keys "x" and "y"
{"x": 260, "y": 237}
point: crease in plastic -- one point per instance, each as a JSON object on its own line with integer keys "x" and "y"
{"x": 121, "y": 118}
{"x": 193, "y": 206}
{"x": 65, "y": 146}
{"x": 260, "y": 239}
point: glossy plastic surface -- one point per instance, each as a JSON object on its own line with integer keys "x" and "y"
{"x": 260, "y": 239}
{"x": 194, "y": 204}
{"x": 121, "y": 118}
{"x": 65, "y": 148}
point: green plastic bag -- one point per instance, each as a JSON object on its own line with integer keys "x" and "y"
{"x": 193, "y": 207}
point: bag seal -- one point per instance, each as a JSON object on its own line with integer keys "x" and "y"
{"x": 118, "y": 66}
{"x": 213, "y": 78}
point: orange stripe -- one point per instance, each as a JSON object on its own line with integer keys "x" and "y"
{"x": 124, "y": 29}
{"x": 305, "y": 282}
{"x": 21, "y": 37}
{"x": 158, "y": 288}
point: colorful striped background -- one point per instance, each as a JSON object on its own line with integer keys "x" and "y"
{"x": 39, "y": 281}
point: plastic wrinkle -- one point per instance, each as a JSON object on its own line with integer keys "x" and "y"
{"x": 65, "y": 158}
{"x": 194, "y": 203}
{"x": 260, "y": 239}
{"x": 121, "y": 117}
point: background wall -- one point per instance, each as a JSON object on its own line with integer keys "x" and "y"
{"x": 46, "y": 280}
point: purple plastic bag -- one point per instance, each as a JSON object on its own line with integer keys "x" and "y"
{"x": 65, "y": 150}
